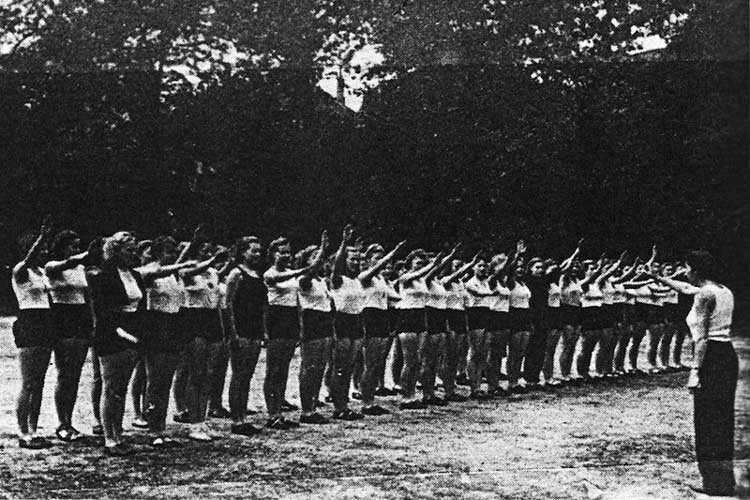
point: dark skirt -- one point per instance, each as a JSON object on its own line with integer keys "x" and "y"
{"x": 376, "y": 322}
{"x": 436, "y": 320}
{"x": 456, "y": 321}
{"x": 71, "y": 321}
{"x": 283, "y": 322}
{"x": 713, "y": 405}
{"x": 32, "y": 328}
{"x": 411, "y": 321}
{"x": 316, "y": 325}
{"x": 348, "y": 326}
{"x": 479, "y": 318}
{"x": 201, "y": 322}
{"x": 592, "y": 318}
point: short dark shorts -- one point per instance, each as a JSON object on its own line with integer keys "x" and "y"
{"x": 348, "y": 326}
{"x": 629, "y": 314}
{"x": 570, "y": 315}
{"x": 163, "y": 332}
{"x": 479, "y": 318}
{"x": 32, "y": 328}
{"x": 376, "y": 322}
{"x": 498, "y": 321}
{"x": 552, "y": 319}
{"x": 201, "y": 322}
{"x": 520, "y": 320}
{"x": 71, "y": 321}
{"x": 283, "y": 323}
{"x": 456, "y": 321}
{"x": 592, "y": 318}
{"x": 411, "y": 321}
{"x": 654, "y": 315}
{"x": 436, "y": 320}
{"x": 316, "y": 325}
{"x": 671, "y": 313}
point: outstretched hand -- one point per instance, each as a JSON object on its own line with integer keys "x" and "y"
{"x": 347, "y": 234}
{"x": 324, "y": 241}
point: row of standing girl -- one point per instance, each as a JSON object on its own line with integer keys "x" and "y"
{"x": 182, "y": 316}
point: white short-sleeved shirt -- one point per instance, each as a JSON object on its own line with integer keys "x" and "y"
{"x": 32, "y": 293}
{"x": 68, "y": 286}
{"x": 315, "y": 298}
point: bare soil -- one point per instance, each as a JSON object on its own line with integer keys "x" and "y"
{"x": 628, "y": 439}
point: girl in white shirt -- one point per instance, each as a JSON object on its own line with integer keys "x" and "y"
{"x": 33, "y": 337}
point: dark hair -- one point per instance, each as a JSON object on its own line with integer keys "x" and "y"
{"x": 96, "y": 252}
{"x": 704, "y": 265}
{"x": 242, "y": 244}
{"x": 417, "y": 253}
{"x": 160, "y": 243}
{"x": 372, "y": 249}
{"x": 532, "y": 261}
{"x": 195, "y": 246}
{"x": 274, "y": 245}
{"x": 60, "y": 241}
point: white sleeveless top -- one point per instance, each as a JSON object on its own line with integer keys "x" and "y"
{"x": 672, "y": 297}
{"x": 520, "y": 296}
{"x": 376, "y": 294}
{"x": 592, "y": 297}
{"x": 165, "y": 295}
{"x": 437, "y": 295}
{"x": 32, "y": 293}
{"x": 501, "y": 301}
{"x": 413, "y": 296}
{"x": 720, "y": 321}
{"x": 349, "y": 298}
{"x": 608, "y": 293}
{"x": 454, "y": 298}
{"x": 554, "y": 295}
{"x": 570, "y": 294}
{"x": 68, "y": 286}
{"x": 281, "y": 293}
{"x": 480, "y": 286}
{"x": 315, "y": 298}
{"x": 132, "y": 290}
{"x": 643, "y": 295}
{"x": 620, "y": 296}
{"x": 202, "y": 290}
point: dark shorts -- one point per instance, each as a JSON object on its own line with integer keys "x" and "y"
{"x": 520, "y": 320}
{"x": 552, "y": 318}
{"x": 591, "y": 318}
{"x": 71, "y": 321}
{"x": 348, "y": 326}
{"x": 498, "y": 321}
{"x": 316, "y": 325}
{"x": 570, "y": 315}
{"x": 376, "y": 322}
{"x": 456, "y": 321}
{"x": 32, "y": 328}
{"x": 479, "y": 318}
{"x": 163, "y": 332}
{"x": 201, "y": 322}
{"x": 283, "y": 323}
{"x": 411, "y": 321}
{"x": 671, "y": 313}
{"x": 654, "y": 315}
{"x": 436, "y": 320}
{"x": 629, "y": 313}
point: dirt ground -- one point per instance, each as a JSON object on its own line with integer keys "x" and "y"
{"x": 629, "y": 439}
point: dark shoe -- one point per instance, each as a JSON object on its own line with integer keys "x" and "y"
{"x": 245, "y": 429}
{"x": 463, "y": 379}
{"x": 713, "y": 493}
{"x": 456, "y": 398}
{"x": 329, "y": 399}
{"x": 97, "y": 430}
{"x": 374, "y": 410}
{"x": 383, "y": 392}
{"x": 278, "y": 424}
{"x": 182, "y": 417}
{"x": 357, "y": 395}
{"x": 314, "y": 418}
{"x": 251, "y": 411}
{"x": 75, "y": 434}
{"x": 320, "y": 404}
{"x": 518, "y": 389}
{"x": 503, "y": 376}
{"x": 219, "y": 413}
{"x": 480, "y": 396}
{"x": 533, "y": 387}
{"x": 412, "y": 405}
{"x": 35, "y": 443}
{"x": 499, "y": 392}
{"x": 347, "y": 415}
{"x": 291, "y": 424}
{"x": 287, "y": 406}
{"x": 435, "y": 401}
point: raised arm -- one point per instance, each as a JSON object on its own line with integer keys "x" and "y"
{"x": 156, "y": 272}
{"x": 462, "y": 271}
{"x": 305, "y": 280}
{"x": 57, "y": 266}
{"x": 629, "y": 273}
{"x": 611, "y": 270}
{"x": 441, "y": 263}
{"x": 420, "y": 273}
{"x": 338, "y": 262}
{"x": 565, "y": 265}
{"x": 652, "y": 258}
{"x": 367, "y": 274}
{"x": 21, "y": 270}
{"x": 674, "y": 284}
{"x": 197, "y": 232}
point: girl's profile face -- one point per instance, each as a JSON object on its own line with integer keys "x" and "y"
{"x": 252, "y": 255}
{"x": 283, "y": 254}
{"x": 353, "y": 261}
